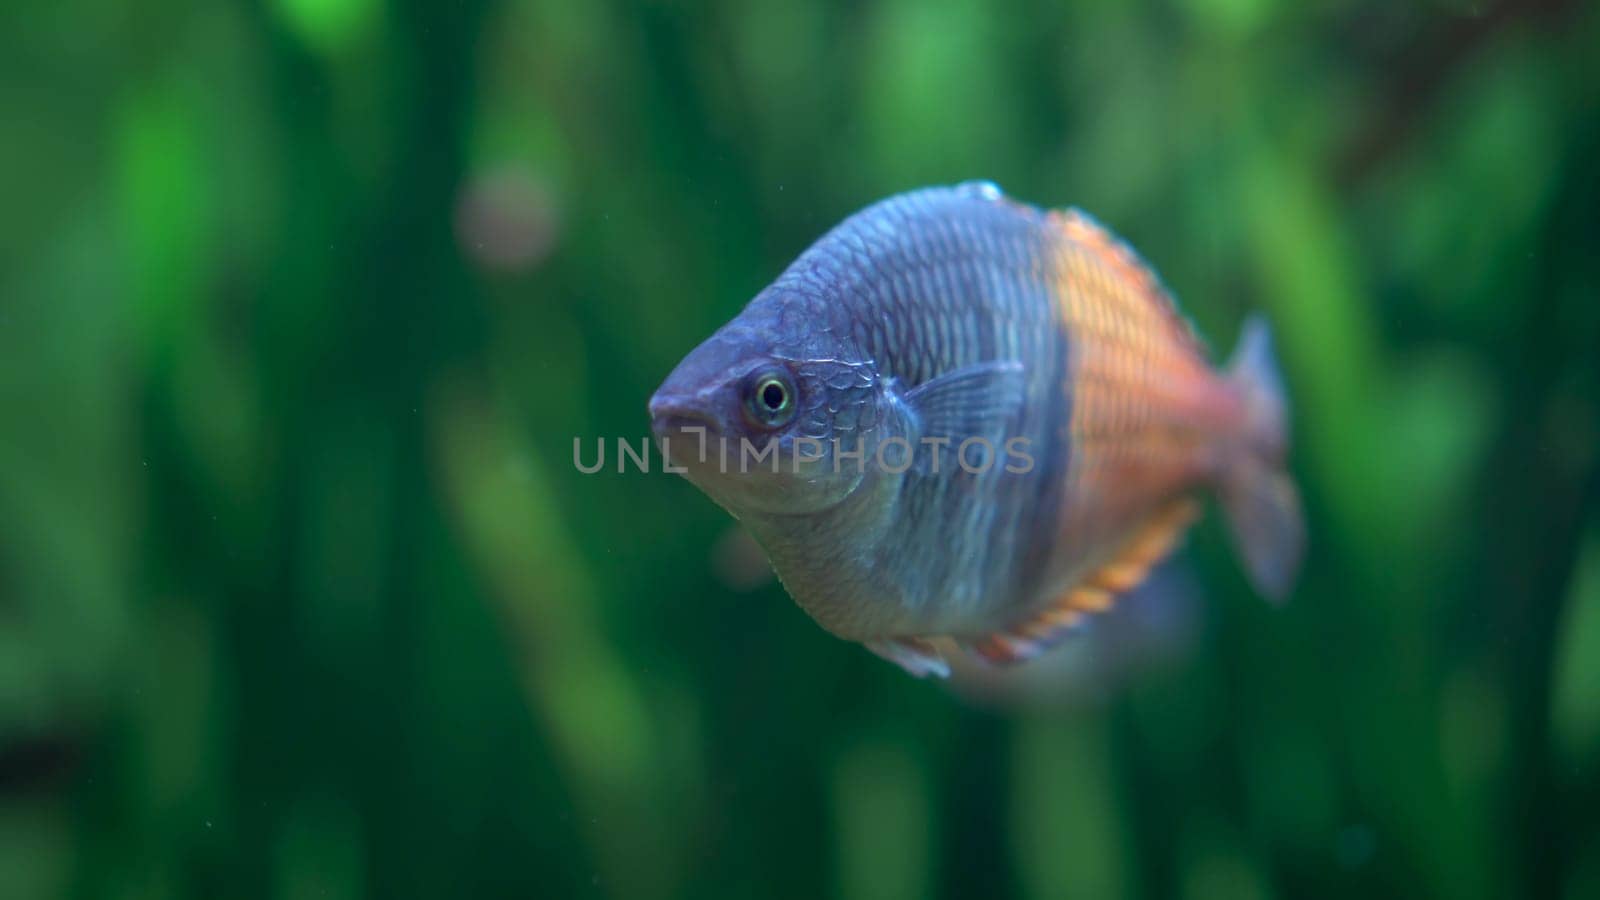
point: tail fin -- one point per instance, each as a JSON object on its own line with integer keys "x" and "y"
{"x": 1260, "y": 499}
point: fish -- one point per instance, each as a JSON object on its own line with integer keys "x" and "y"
{"x": 960, "y": 423}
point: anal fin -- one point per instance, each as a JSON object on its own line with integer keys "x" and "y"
{"x": 1096, "y": 592}
{"x": 918, "y": 656}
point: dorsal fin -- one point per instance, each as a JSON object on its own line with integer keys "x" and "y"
{"x": 1128, "y": 267}
{"x": 1148, "y": 545}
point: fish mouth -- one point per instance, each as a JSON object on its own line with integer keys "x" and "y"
{"x": 673, "y": 424}
{"x": 682, "y": 432}
{"x": 670, "y": 415}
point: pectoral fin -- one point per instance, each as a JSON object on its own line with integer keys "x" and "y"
{"x": 972, "y": 400}
{"x": 976, "y": 401}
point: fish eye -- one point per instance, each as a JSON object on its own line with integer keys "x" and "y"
{"x": 770, "y": 399}
{"x": 773, "y": 396}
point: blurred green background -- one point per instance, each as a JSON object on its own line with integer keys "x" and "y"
{"x": 302, "y": 304}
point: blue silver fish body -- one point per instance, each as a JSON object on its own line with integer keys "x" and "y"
{"x": 929, "y": 324}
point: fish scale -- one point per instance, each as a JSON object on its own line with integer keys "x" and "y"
{"x": 962, "y": 314}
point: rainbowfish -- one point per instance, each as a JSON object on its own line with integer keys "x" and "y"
{"x": 959, "y": 422}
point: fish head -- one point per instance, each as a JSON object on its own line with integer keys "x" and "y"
{"x": 758, "y": 424}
